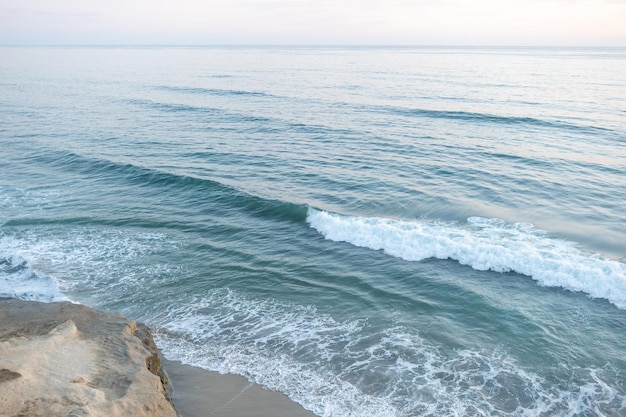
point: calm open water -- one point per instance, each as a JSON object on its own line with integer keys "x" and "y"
{"x": 371, "y": 231}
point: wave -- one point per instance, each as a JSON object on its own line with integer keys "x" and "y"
{"x": 213, "y": 91}
{"x": 225, "y": 115}
{"x": 402, "y": 111}
{"x": 484, "y": 244}
{"x": 194, "y": 189}
{"x": 412, "y": 112}
{"x": 491, "y": 118}
{"x": 274, "y": 124}
{"x": 169, "y": 107}
{"x": 359, "y": 368}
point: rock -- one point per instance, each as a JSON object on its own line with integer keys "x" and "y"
{"x": 63, "y": 359}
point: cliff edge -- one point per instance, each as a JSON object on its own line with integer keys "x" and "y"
{"x": 63, "y": 359}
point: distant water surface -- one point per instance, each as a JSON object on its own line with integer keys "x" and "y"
{"x": 371, "y": 231}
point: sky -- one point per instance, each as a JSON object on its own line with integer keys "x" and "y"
{"x": 319, "y": 22}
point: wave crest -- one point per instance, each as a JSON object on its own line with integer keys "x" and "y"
{"x": 484, "y": 244}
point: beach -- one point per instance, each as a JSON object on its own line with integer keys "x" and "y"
{"x": 68, "y": 359}
{"x": 200, "y": 393}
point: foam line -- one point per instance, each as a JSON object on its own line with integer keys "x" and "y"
{"x": 348, "y": 368}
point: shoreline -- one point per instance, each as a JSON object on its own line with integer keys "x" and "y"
{"x": 197, "y": 392}
{"x": 68, "y": 359}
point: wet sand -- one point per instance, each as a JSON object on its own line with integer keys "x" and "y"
{"x": 199, "y": 393}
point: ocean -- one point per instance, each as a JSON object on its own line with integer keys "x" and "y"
{"x": 372, "y": 231}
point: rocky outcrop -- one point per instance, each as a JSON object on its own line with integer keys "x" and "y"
{"x": 63, "y": 359}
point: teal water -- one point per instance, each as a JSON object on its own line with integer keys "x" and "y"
{"x": 371, "y": 231}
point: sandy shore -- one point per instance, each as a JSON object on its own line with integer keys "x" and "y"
{"x": 63, "y": 359}
{"x": 200, "y": 393}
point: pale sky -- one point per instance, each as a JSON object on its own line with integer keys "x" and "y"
{"x": 338, "y": 22}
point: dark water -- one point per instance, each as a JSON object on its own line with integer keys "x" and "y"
{"x": 372, "y": 231}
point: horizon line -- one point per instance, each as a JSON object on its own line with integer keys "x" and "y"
{"x": 302, "y": 45}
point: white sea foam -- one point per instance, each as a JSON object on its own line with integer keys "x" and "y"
{"x": 18, "y": 279}
{"x": 272, "y": 344}
{"x": 484, "y": 244}
{"x": 358, "y": 368}
{"x": 44, "y": 265}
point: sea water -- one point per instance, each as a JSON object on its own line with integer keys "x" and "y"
{"x": 371, "y": 231}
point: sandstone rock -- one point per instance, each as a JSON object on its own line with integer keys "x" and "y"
{"x": 63, "y": 359}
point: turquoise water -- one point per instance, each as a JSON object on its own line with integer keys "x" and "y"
{"x": 371, "y": 231}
